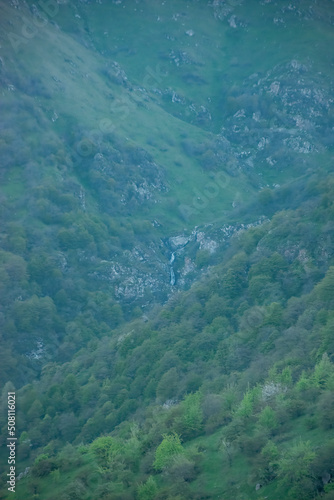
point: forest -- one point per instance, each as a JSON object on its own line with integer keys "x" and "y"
{"x": 167, "y": 250}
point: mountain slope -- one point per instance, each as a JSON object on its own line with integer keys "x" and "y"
{"x": 240, "y": 366}
{"x": 166, "y": 246}
{"x": 112, "y": 145}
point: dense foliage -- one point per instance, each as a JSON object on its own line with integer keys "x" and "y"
{"x": 167, "y": 249}
{"x": 233, "y": 371}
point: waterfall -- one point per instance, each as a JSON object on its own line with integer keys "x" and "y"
{"x": 172, "y": 274}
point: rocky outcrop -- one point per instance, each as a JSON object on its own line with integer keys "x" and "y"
{"x": 158, "y": 270}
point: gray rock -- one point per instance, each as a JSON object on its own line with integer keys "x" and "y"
{"x": 178, "y": 241}
{"x": 326, "y": 477}
{"x": 23, "y": 474}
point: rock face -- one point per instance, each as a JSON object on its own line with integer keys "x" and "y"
{"x": 23, "y": 474}
{"x": 206, "y": 243}
{"x": 283, "y": 114}
{"x": 38, "y": 352}
{"x": 326, "y": 477}
{"x": 177, "y": 242}
{"x": 296, "y": 120}
{"x": 156, "y": 271}
{"x": 135, "y": 275}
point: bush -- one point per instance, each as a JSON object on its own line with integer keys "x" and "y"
{"x": 75, "y": 491}
{"x": 43, "y": 466}
{"x": 148, "y": 490}
{"x": 181, "y": 469}
{"x": 167, "y": 450}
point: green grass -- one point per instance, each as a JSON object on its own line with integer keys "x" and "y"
{"x": 219, "y": 480}
{"x": 72, "y": 73}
